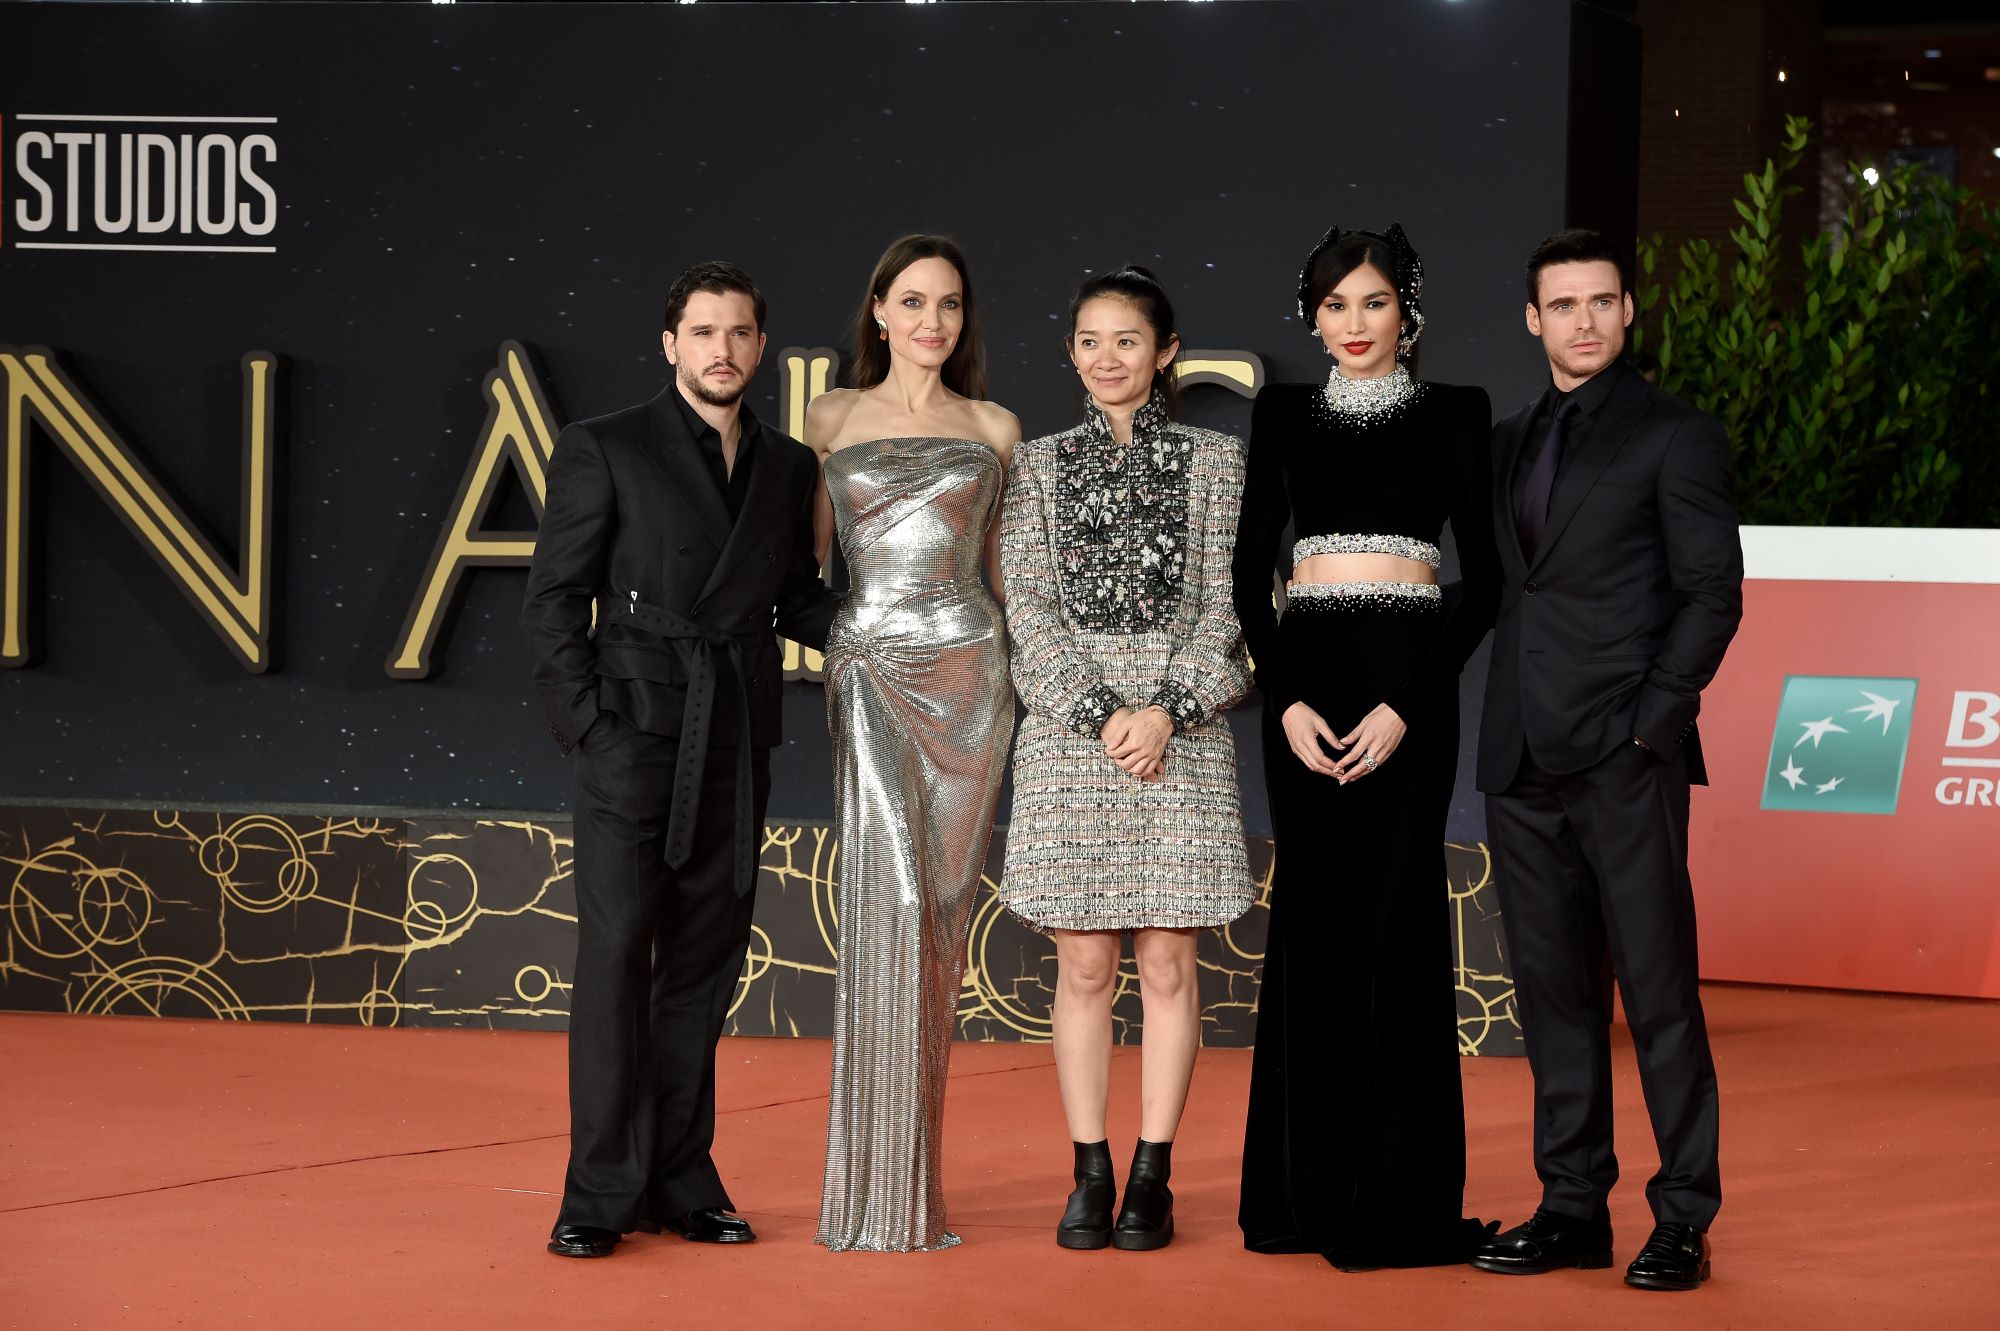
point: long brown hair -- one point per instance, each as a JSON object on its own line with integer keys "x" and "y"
{"x": 964, "y": 371}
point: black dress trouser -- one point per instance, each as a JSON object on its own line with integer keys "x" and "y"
{"x": 658, "y": 953}
{"x": 1592, "y": 867}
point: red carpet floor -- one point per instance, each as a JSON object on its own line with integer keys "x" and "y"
{"x": 180, "y": 1174}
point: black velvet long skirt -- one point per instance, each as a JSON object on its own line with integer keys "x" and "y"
{"x": 1355, "y": 1146}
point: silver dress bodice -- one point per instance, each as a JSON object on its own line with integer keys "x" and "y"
{"x": 919, "y": 707}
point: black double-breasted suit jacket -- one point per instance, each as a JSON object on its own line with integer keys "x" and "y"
{"x": 1620, "y": 618}
{"x": 636, "y": 525}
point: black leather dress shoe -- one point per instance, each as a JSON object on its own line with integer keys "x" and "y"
{"x": 1546, "y": 1241}
{"x": 582, "y": 1241}
{"x": 711, "y": 1224}
{"x": 1676, "y": 1257}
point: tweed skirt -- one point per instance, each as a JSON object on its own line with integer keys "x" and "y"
{"x": 1093, "y": 847}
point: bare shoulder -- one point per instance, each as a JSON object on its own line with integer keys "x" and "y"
{"x": 826, "y": 415}
{"x": 998, "y": 427}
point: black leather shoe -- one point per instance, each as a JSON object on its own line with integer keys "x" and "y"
{"x": 1086, "y": 1221}
{"x": 581, "y": 1241}
{"x": 1146, "y": 1220}
{"x": 1676, "y": 1257}
{"x": 1546, "y": 1241}
{"x": 711, "y": 1224}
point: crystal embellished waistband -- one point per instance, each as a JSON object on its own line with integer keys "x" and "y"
{"x": 1353, "y": 593}
{"x": 1366, "y": 543}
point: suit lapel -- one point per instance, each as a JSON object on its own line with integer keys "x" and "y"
{"x": 688, "y": 479}
{"x": 751, "y": 529}
{"x": 1513, "y": 434}
{"x": 1618, "y": 418}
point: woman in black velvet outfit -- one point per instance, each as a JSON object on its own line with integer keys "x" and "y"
{"x": 1355, "y": 1146}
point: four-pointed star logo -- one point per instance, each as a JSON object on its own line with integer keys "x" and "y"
{"x": 1818, "y": 730}
{"x": 1877, "y": 708}
{"x": 1852, "y": 767}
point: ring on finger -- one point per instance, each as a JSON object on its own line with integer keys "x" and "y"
{"x": 1370, "y": 762}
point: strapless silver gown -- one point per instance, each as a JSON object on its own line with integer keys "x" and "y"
{"x": 920, "y": 708}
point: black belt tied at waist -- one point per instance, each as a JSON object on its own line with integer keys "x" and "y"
{"x": 696, "y": 645}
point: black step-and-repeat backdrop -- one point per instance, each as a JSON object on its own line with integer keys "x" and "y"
{"x": 295, "y": 297}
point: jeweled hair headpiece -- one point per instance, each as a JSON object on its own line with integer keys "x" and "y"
{"x": 1408, "y": 277}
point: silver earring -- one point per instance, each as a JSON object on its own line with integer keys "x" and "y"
{"x": 1412, "y": 330}
{"x": 882, "y": 325}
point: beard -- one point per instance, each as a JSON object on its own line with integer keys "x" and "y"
{"x": 696, "y": 383}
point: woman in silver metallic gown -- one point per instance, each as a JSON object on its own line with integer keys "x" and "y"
{"x": 920, "y": 709}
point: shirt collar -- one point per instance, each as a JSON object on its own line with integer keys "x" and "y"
{"x": 700, "y": 430}
{"x": 1147, "y": 421}
{"x": 1592, "y": 392}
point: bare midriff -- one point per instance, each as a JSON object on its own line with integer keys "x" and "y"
{"x": 1362, "y": 568}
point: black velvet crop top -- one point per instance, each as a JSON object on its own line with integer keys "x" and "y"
{"x": 1384, "y": 481}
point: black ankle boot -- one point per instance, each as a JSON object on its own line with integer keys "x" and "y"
{"x": 1086, "y": 1221}
{"x": 1146, "y": 1220}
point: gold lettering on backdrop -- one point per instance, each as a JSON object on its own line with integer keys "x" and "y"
{"x": 235, "y": 600}
{"x": 1240, "y": 372}
{"x": 520, "y": 431}
{"x": 802, "y": 376}
{"x": 518, "y": 437}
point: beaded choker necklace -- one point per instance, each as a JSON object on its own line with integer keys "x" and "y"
{"x": 1365, "y": 401}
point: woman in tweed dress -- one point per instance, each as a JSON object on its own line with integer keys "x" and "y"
{"x": 1115, "y": 548}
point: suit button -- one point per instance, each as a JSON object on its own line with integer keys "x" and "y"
{"x": 686, "y": 551}
{"x": 770, "y": 557}
{"x": 1530, "y": 589}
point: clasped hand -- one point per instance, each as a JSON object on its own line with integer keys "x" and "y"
{"x": 1376, "y": 737}
{"x": 1137, "y": 741}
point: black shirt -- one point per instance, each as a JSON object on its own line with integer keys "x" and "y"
{"x": 731, "y": 483}
{"x": 1590, "y": 396}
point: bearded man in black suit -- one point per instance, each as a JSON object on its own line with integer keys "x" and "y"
{"x": 677, "y": 534}
{"x": 1622, "y": 585}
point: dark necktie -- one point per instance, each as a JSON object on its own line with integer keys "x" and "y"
{"x": 1533, "y": 513}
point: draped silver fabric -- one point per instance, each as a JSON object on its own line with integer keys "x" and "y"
{"x": 920, "y": 710}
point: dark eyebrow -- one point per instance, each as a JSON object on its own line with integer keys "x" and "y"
{"x": 1332, "y": 295}
{"x": 949, "y": 295}
{"x": 1595, "y": 295}
{"x": 1092, "y": 332}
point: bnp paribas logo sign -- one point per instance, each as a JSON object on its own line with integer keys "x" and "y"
{"x": 1839, "y": 744}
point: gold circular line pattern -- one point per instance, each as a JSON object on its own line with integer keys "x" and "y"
{"x": 89, "y": 903}
{"x": 978, "y": 974}
{"x": 824, "y": 885}
{"x": 109, "y": 894}
{"x": 539, "y": 972}
{"x": 1475, "y": 885}
{"x": 433, "y": 915}
{"x": 757, "y": 959}
{"x": 160, "y": 987}
{"x": 296, "y": 878}
{"x": 374, "y": 1002}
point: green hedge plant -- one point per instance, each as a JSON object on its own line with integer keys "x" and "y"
{"x": 1858, "y": 380}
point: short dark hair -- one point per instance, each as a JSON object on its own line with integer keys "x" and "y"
{"x": 1139, "y": 288}
{"x": 717, "y": 277}
{"x": 1577, "y": 245}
